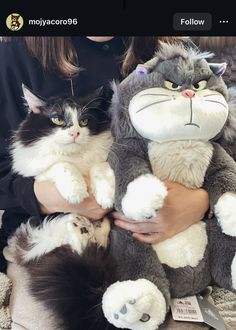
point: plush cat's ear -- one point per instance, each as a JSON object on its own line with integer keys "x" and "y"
{"x": 218, "y": 68}
{"x": 34, "y": 102}
{"x": 148, "y": 67}
{"x": 141, "y": 70}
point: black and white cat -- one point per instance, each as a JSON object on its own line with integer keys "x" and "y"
{"x": 64, "y": 139}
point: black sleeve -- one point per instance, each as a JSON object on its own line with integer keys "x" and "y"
{"x": 15, "y": 190}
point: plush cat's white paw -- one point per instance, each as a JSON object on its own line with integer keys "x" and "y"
{"x": 144, "y": 196}
{"x": 80, "y": 232}
{"x": 233, "y": 272}
{"x": 136, "y": 305}
{"x": 102, "y": 181}
{"x": 225, "y": 211}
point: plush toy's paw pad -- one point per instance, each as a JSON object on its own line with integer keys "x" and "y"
{"x": 144, "y": 196}
{"x": 80, "y": 232}
{"x": 136, "y": 305}
{"x": 233, "y": 273}
{"x": 225, "y": 211}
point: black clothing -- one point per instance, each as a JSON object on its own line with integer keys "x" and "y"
{"x": 100, "y": 62}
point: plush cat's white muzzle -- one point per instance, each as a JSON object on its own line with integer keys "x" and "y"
{"x": 162, "y": 115}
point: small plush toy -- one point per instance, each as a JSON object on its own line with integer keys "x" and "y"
{"x": 166, "y": 115}
{"x": 5, "y": 291}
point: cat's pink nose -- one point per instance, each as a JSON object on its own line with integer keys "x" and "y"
{"x": 74, "y": 134}
{"x": 188, "y": 93}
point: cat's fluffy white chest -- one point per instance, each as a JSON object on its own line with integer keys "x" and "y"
{"x": 184, "y": 162}
{"x": 36, "y": 159}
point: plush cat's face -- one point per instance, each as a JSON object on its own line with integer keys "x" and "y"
{"x": 63, "y": 122}
{"x": 180, "y": 97}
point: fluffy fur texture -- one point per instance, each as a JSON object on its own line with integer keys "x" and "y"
{"x": 74, "y": 286}
{"x": 61, "y": 140}
{"x": 136, "y": 293}
{"x": 71, "y": 282}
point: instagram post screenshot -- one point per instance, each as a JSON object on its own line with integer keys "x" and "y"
{"x": 117, "y": 167}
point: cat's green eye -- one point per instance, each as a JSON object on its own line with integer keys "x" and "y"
{"x": 83, "y": 122}
{"x": 57, "y": 121}
{"x": 171, "y": 85}
{"x": 199, "y": 86}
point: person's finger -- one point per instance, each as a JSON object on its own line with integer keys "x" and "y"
{"x": 119, "y": 216}
{"x": 151, "y": 238}
{"x": 138, "y": 227}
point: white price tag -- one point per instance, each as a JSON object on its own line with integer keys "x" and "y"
{"x": 186, "y": 309}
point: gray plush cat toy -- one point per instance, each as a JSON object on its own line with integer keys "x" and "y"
{"x": 166, "y": 115}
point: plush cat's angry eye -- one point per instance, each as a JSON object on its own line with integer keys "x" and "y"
{"x": 199, "y": 85}
{"x": 57, "y": 121}
{"x": 171, "y": 85}
{"x": 83, "y": 122}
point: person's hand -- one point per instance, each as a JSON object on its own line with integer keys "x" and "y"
{"x": 182, "y": 208}
{"x": 50, "y": 201}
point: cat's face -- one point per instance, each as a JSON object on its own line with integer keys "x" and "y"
{"x": 64, "y": 122}
{"x": 178, "y": 98}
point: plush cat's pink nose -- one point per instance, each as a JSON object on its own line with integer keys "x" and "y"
{"x": 74, "y": 134}
{"x": 188, "y": 93}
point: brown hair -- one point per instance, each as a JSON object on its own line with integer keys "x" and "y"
{"x": 141, "y": 49}
{"x": 216, "y": 43}
{"x": 58, "y": 54}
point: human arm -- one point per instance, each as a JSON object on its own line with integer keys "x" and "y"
{"x": 182, "y": 208}
{"x": 15, "y": 190}
{"x": 50, "y": 201}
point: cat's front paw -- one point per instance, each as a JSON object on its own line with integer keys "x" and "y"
{"x": 136, "y": 305}
{"x": 68, "y": 181}
{"x": 74, "y": 192}
{"x": 144, "y": 196}
{"x": 102, "y": 181}
{"x": 72, "y": 186}
{"x": 225, "y": 212}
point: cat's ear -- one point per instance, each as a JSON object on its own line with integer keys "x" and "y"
{"x": 218, "y": 68}
{"x": 104, "y": 91}
{"x": 34, "y": 102}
